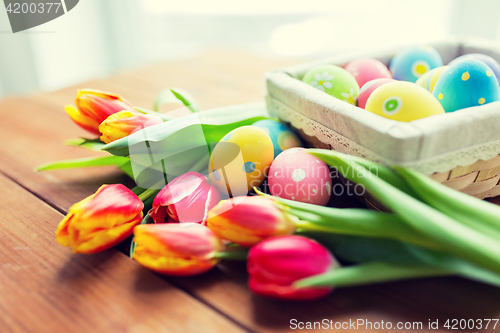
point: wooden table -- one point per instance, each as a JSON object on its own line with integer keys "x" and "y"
{"x": 46, "y": 288}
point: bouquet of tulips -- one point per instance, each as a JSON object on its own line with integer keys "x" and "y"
{"x": 294, "y": 250}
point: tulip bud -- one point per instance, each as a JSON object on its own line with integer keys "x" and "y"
{"x": 101, "y": 220}
{"x": 94, "y": 106}
{"x": 249, "y": 220}
{"x": 176, "y": 249}
{"x": 123, "y": 123}
{"x": 276, "y": 263}
{"x": 187, "y": 198}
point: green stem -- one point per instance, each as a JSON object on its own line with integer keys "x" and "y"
{"x": 354, "y": 222}
{"x": 310, "y": 223}
{"x": 368, "y": 273}
{"x": 233, "y": 255}
{"x": 148, "y": 193}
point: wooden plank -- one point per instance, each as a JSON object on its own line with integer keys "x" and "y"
{"x": 46, "y": 288}
{"x": 224, "y": 287}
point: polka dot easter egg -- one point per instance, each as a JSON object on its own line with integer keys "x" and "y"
{"x": 365, "y": 70}
{"x": 368, "y": 88}
{"x": 281, "y": 136}
{"x": 465, "y": 84}
{"x": 411, "y": 63}
{"x": 403, "y": 101}
{"x": 488, "y": 61}
{"x": 429, "y": 79}
{"x": 335, "y": 81}
{"x": 300, "y": 176}
{"x": 241, "y": 160}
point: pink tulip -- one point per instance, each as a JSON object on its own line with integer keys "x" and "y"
{"x": 187, "y": 198}
{"x": 276, "y": 263}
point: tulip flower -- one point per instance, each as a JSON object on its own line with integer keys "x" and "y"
{"x": 276, "y": 263}
{"x": 123, "y": 123}
{"x": 94, "y": 106}
{"x": 176, "y": 249}
{"x": 187, "y": 198}
{"x": 101, "y": 220}
{"x": 249, "y": 220}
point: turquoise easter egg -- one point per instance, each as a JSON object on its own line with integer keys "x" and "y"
{"x": 335, "y": 81}
{"x": 465, "y": 84}
{"x": 281, "y": 135}
{"x": 411, "y": 63}
{"x": 489, "y": 61}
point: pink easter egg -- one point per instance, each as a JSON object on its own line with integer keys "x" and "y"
{"x": 297, "y": 175}
{"x": 368, "y": 88}
{"x": 365, "y": 70}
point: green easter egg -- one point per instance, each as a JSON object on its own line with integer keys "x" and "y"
{"x": 335, "y": 81}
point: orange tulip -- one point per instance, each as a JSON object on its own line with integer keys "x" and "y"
{"x": 101, "y": 220}
{"x": 94, "y": 106}
{"x": 249, "y": 220}
{"x": 176, "y": 249}
{"x": 123, "y": 123}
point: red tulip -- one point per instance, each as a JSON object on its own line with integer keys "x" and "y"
{"x": 94, "y": 106}
{"x": 176, "y": 249}
{"x": 276, "y": 263}
{"x": 249, "y": 220}
{"x": 187, "y": 198}
{"x": 101, "y": 220}
{"x": 123, "y": 123}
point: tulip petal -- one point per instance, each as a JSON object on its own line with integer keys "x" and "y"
{"x": 82, "y": 120}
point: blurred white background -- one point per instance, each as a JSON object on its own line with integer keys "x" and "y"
{"x": 99, "y": 37}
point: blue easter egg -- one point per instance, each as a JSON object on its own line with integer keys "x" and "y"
{"x": 489, "y": 61}
{"x": 465, "y": 84}
{"x": 411, "y": 63}
{"x": 281, "y": 135}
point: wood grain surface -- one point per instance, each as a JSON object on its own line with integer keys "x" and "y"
{"x": 45, "y": 288}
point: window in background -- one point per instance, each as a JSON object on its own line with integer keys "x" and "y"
{"x": 99, "y": 37}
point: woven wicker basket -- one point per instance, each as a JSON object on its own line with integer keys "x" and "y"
{"x": 324, "y": 122}
{"x": 480, "y": 179}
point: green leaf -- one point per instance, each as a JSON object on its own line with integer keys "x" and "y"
{"x": 83, "y": 162}
{"x": 178, "y": 96}
{"x": 373, "y": 272}
{"x": 177, "y": 146}
{"x": 127, "y": 169}
{"x": 92, "y": 144}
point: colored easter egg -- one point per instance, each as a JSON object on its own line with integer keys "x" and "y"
{"x": 297, "y": 175}
{"x": 435, "y": 75}
{"x": 403, "y": 101}
{"x": 335, "y": 81}
{"x": 241, "y": 160}
{"x": 429, "y": 79}
{"x": 365, "y": 70}
{"x": 489, "y": 61}
{"x": 281, "y": 135}
{"x": 368, "y": 88}
{"x": 465, "y": 84}
{"x": 411, "y": 63}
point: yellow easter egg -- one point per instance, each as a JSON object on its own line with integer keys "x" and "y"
{"x": 403, "y": 101}
{"x": 435, "y": 74}
{"x": 241, "y": 160}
